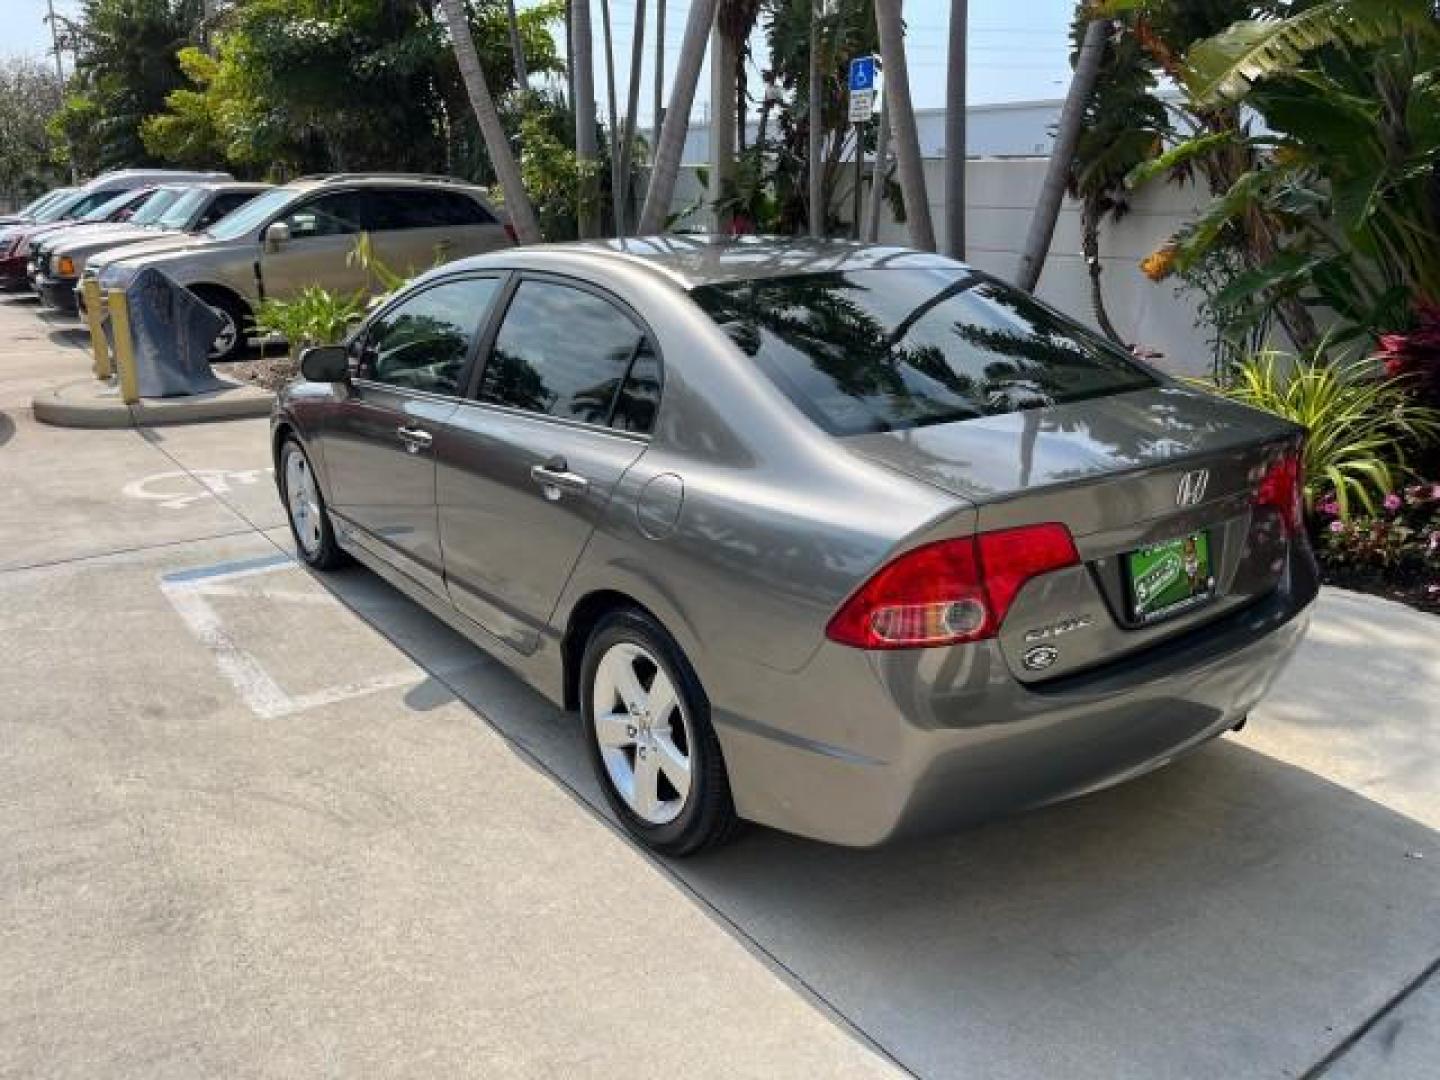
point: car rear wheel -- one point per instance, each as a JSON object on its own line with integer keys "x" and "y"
{"x": 647, "y": 725}
{"x": 305, "y": 507}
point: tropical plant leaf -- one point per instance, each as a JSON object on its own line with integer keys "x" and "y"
{"x": 1220, "y": 70}
{"x": 1180, "y": 155}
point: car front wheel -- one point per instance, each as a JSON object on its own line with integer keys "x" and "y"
{"x": 305, "y": 507}
{"x": 647, "y": 725}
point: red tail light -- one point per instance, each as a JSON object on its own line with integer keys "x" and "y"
{"x": 950, "y": 591}
{"x": 1283, "y": 488}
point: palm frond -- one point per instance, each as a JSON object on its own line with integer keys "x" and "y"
{"x": 1220, "y": 70}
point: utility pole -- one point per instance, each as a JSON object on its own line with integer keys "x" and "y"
{"x": 59, "y": 73}
{"x": 55, "y": 43}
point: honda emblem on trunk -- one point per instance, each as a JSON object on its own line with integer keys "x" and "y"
{"x": 1192, "y": 487}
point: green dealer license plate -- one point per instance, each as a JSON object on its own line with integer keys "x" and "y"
{"x": 1166, "y": 579}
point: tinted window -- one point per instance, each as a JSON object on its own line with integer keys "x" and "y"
{"x": 330, "y": 215}
{"x": 423, "y": 209}
{"x": 422, "y": 343}
{"x": 223, "y": 204}
{"x": 883, "y": 350}
{"x": 561, "y": 351}
{"x": 640, "y": 394}
{"x": 255, "y": 213}
{"x": 102, "y": 205}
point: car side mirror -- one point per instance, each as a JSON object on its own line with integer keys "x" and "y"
{"x": 325, "y": 363}
{"x": 277, "y": 235}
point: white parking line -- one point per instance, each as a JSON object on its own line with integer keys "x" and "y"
{"x": 190, "y": 593}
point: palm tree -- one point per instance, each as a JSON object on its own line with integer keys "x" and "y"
{"x": 517, "y": 202}
{"x": 813, "y": 170}
{"x": 1124, "y": 126}
{"x": 584, "y": 104}
{"x": 517, "y": 46}
{"x": 613, "y": 109}
{"x": 1067, "y": 135}
{"x": 632, "y": 108}
{"x": 659, "y": 76}
{"x": 956, "y": 102}
{"x": 677, "y": 118}
{"x": 902, "y": 122}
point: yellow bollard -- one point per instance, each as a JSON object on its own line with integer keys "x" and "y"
{"x": 124, "y": 347}
{"x": 95, "y": 317}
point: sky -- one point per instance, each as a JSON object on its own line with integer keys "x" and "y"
{"x": 1019, "y": 49}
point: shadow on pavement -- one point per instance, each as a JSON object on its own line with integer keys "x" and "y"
{"x": 7, "y": 428}
{"x": 1229, "y": 915}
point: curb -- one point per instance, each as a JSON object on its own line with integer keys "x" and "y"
{"x": 89, "y": 403}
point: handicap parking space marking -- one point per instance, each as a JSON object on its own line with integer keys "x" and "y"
{"x": 190, "y": 592}
{"x": 173, "y": 492}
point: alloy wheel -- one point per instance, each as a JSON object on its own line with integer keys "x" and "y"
{"x": 225, "y": 338}
{"x": 643, "y": 732}
{"x": 303, "y": 500}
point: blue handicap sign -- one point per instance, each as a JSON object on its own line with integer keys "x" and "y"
{"x": 862, "y": 73}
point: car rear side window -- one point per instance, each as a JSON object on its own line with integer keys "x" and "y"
{"x": 889, "y": 349}
{"x": 423, "y": 342}
{"x": 424, "y": 209}
{"x": 566, "y": 352}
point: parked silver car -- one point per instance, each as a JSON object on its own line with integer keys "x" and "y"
{"x": 174, "y": 210}
{"x": 852, "y": 541}
{"x": 304, "y": 234}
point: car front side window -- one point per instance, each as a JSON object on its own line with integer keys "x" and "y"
{"x": 566, "y": 352}
{"x": 423, "y": 342}
{"x": 339, "y": 214}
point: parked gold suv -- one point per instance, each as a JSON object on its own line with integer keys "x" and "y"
{"x": 304, "y": 234}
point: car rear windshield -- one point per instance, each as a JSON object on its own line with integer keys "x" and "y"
{"x": 888, "y": 349}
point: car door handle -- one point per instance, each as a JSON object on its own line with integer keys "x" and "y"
{"x": 555, "y": 477}
{"x": 415, "y": 439}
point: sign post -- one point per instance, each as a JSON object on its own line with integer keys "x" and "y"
{"x": 862, "y": 106}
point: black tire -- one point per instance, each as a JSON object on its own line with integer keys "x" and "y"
{"x": 230, "y": 307}
{"x": 708, "y": 816}
{"x": 318, "y": 551}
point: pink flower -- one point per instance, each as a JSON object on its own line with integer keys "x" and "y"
{"x": 1329, "y": 507}
{"x": 1393, "y": 502}
{"x": 1337, "y": 526}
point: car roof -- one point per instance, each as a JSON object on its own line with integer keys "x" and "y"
{"x": 694, "y": 260}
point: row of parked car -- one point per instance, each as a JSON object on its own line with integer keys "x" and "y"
{"x": 235, "y": 244}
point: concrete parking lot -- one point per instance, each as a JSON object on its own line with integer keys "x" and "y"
{"x": 255, "y": 822}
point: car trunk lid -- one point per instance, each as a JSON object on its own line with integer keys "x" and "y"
{"x": 1161, "y": 480}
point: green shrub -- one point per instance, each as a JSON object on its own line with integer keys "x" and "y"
{"x": 1361, "y": 426}
{"x": 314, "y": 317}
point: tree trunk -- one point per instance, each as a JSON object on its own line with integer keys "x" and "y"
{"x": 1090, "y": 216}
{"x": 902, "y": 123}
{"x": 614, "y": 110}
{"x": 812, "y": 169}
{"x": 1042, "y": 224}
{"x": 659, "y": 88}
{"x": 677, "y": 117}
{"x": 517, "y": 47}
{"x": 722, "y": 126}
{"x": 956, "y": 102}
{"x": 587, "y": 204}
{"x": 632, "y": 109}
{"x": 517, "y": 202}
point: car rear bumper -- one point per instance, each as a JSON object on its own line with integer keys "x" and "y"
{"x": 934, "y": 739}
{"x": 57, "y": 293}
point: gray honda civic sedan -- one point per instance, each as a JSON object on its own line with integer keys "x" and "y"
{"x": 852, "y": 541}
